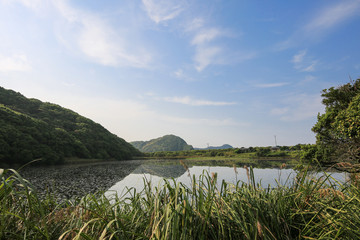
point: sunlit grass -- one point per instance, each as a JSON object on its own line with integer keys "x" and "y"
{"x": 310, "y": 208}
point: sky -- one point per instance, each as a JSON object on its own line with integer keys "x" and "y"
{"x": 213, "y": 72}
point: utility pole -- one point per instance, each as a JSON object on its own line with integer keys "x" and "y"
{"x": 275, "y": 141}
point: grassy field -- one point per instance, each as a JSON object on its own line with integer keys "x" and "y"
{"x": 309, "y": 209}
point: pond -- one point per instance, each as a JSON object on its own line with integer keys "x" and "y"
{"x": 69, "y": 181}
{"x": 266, "y": 177}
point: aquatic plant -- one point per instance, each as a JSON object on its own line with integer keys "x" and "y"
{"x": 309, "y": 208}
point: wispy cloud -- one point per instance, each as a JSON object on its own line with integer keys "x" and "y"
{"x": 299, "y": 58}
{"x": 204, "y": 121}
{"x": 299, "y": 107}
{"x": 331, "y": 16}
{"x": 324, "y": 21}
{"x": 207, "y": 55}
{"x": 196, "y": 102}
{"x": 304, "y": 63}
{"x": 98, "y": 40}
{"x": 206, "y": 52}
{"x": 209, "y": 47}
{"x": 181, "y": 74}
{"x": 271, "y": 85}
{"x": 14, "y": 63}
{"x": 163, "y": 10}
{"x": 194, "y": 24}
{"x": 206, "y": 35}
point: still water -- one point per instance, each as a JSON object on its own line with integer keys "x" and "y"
{"x": 268, "y": 177}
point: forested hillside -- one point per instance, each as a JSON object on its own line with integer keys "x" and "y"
{"x": 165, "y": 143}
{"x": 31, "y": 129}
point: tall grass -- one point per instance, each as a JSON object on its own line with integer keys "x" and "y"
{"x": 308, "y": 209}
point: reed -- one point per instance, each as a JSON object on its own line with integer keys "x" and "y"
{"x": 308, "y": 209}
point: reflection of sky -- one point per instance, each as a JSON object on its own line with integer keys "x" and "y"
{"x": 265, "y": 177}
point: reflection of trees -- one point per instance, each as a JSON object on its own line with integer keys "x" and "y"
{"x": 165, "y": 171}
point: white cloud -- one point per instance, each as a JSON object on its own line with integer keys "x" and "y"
{"x": 99, "y": 41}
{"x": 163, "y": 10}
{"x": 179, "y": 73}
{"x": 324, "y": 21}
{"x": 14, "y": 63}
{"x": 208, "y": 52}
{"x": 271, "y": 85}
{"x": 205, "y": 52}
{"x": 205, "y": 56}
{"x": 205, "y": 36}
{"x": 195, "y": 24}
{"x": 184, "y": 74}
{"x": 332, "y": 16}
{"x": 311, "y": 67}
{"x": 298, "y": 58}
{"x": 304, "y": 63}
{"x": 195, "y": 102}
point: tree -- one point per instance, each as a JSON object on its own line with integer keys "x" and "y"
{"x": 338, "y": 129}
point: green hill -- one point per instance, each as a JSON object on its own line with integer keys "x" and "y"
{"x": 165, "y": 143}
{"x": 31, "y": 129}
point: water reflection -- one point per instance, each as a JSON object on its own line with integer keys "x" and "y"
{"x": 163, "y": 171}
{"x": 268, "y": 177}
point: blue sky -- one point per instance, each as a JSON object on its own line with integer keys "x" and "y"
{"x": 211, "y": 72}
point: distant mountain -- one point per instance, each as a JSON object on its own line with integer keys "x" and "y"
{"x": 31, "y": 129}
{"x": 225, "y": 146}
{"x": 165, "y": 143}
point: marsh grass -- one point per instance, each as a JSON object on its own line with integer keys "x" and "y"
{"x": 308, "y": 209}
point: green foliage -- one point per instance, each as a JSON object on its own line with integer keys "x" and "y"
{"x": 248, "y": 153}
{"x": 31, "y": 129}
{"x": 338, "y": 129}
{"x": 263, "y": 151}
{"x": 347, "y": 122}
{"x": 165, "y": 143}
{"x": 307, "y": 209}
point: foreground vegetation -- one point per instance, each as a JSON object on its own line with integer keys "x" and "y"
{"x": 306, "y": 209}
